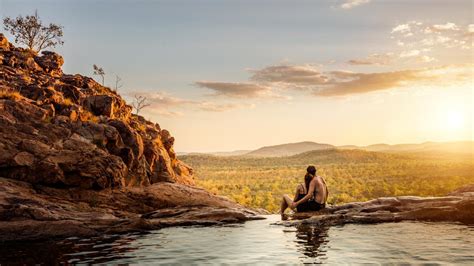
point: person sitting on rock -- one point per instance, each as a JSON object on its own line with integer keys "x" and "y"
{"x": 310, "y": 196}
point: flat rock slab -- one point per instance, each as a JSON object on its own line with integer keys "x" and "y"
{"x": 33, "y": 212}
{"x": 456, "y": 207}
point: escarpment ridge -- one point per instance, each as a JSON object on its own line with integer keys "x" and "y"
{"x": 75, "y": 160}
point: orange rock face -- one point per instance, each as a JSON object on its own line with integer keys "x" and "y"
{"x": 74, "y": 160}
{"x": 87, "y": 133}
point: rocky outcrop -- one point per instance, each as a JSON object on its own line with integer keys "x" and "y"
{"x": 74, "y": 160}
{"x": 84, "y": 133}
{"x": 458, "y": 206}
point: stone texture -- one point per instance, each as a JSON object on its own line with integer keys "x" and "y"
{"x": 38, "y": 212}
{"x": 74, "y": 161}
{"x": 458, "y": 206}
{"x": 53, "y": 109}
{"x": 51, "y": 62}
{"x": 4, "y": 44}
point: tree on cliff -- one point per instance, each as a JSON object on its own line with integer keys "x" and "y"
{"x": 99, "y": 72}
{"x": 31, "y": 32}
{"x": 139, "y": 103}
{"x": 118, "y": 83}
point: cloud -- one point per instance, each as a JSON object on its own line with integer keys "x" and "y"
{"x": 165, "y": 104}
{"x": 401, "y": 28}
{"x": 406, "y": 28}
{"x": 237, "y": 89}
{"x": 163, "y": 99}
{"x": 418, "y": 40}
{"x": 290, "y": 74}
{"x": 448, "y": 26}
{"x": 353, "y": 3}
{"x": 444, "y": 35}
{"x": 213, "y": 107}
{"x": 365, "y": 82}
{"x": 374, "y": 59}
{"x": 341, "y": 82}
{"x": 391, "y": 58}
{"x": 346, "y": 83}
{"x": 411, "y": 53}
{"x": 426, "y": 59}
{"x": 470, "y": 28}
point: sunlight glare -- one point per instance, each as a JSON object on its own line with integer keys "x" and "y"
{"x": 454, "y": 120}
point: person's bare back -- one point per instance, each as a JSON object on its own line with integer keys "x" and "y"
{"x": 321, "y": 190}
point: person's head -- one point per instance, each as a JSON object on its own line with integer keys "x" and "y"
{"x": 311, "y": 170}
{"x": 310, "y": 173}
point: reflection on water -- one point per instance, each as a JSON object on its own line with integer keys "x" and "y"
{"x": 312, "y": 241}
{"x": 260, "y": 242}
{"x": 97, "y": 249}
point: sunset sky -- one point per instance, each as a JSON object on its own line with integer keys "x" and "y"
{"x": 227, "y": 75}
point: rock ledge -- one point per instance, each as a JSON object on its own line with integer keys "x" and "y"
{"x": 458, "y": 206}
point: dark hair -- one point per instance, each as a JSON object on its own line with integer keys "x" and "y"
{"x": 311, "y": 169}
{"x": 310, "y": 173}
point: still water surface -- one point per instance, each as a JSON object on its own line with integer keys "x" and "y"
{"x": 260, "y": 242}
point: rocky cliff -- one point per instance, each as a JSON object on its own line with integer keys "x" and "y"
{"x": 72, "y": 154}
{"x": 69, "y": 131}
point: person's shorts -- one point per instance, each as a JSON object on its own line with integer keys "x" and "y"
{"x": 310, "y": 206}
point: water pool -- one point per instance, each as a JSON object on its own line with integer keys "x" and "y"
{"x": 260, "y": 242}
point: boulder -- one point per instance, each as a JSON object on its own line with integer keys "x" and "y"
{"x": 4, "y": 44}
{"x": 110, "y": 106}
{"x": 85, "y": 83}
{"x": 129, "y": 136}
{"x": 51, "y": 62}
{"x": 101, "y": 105}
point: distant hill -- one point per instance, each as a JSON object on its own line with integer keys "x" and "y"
{"x": 289, "y": 149}
{"x": 230, "y": 153}
{"x": 221, "y": 153}
{"x": 318, "y": 157}
{"x": 452, "y": 147}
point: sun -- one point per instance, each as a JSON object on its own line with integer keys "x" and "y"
{"x": 454, "y": 120}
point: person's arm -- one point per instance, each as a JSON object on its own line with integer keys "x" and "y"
{"x": 312, "y": 186}
{"x": 298, "y": 188}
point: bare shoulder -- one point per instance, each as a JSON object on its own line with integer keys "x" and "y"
{"x": 299, "y": 188}
{"x": 318, "y": 179}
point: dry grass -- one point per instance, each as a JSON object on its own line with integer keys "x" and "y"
{"x": 68, "y": 102}
{"x": 11, "y": 95}
{"x": 88, "y": 116}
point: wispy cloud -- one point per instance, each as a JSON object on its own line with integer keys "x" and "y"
{"x": 417, "y": 42}
{"x": 163, "y": 99}
{"x": 346, "y": 83}
{"x": 410, "y": 53}
{"x": 340, "y": 82}
{"x": 392, "y": 58}
{"x": 374, "y": 59}
{"x": 214, "y": 107}
{"x": 448, "y": 26}
{"x": 348, "y": 4}
{"x": 297, "y": 75}
{"x": 238, "y": 90}
{"x": 444, "y": 35}
{"x": 163, "y": 103}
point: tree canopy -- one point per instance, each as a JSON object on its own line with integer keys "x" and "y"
{"x": 31, "y": 32}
